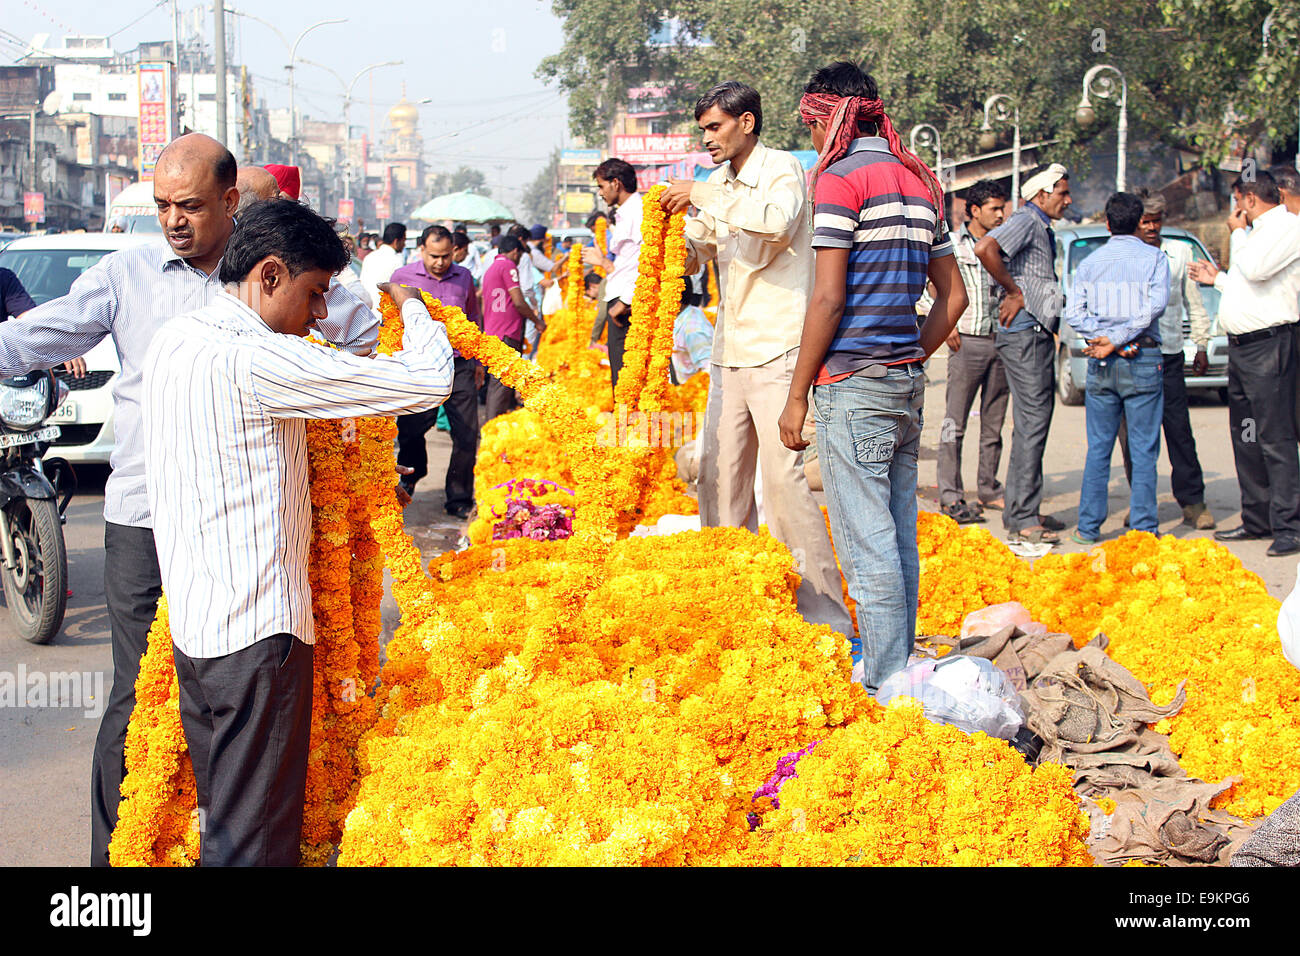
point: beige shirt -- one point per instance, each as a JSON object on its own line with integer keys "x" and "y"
{"x": 758, "y": 226}
{"x": 1261, "y": 286}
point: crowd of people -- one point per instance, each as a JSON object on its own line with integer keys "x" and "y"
{"x": 836, "y": 288}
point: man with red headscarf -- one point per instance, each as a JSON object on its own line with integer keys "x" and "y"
{"x": 753, "y": 218}
{"x": 879, "y": 233}
{"x": 288, "y": 178}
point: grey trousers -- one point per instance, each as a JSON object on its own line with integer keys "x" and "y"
{"x": 741, "y": 435}
{"x": 1029, "y": 358}
{"x": 974, "y": 367}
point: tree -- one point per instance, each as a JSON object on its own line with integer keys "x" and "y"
{"x": 538, "y": 202}
{"x": 464, "y": 179}
{"x": 937, "y": 61}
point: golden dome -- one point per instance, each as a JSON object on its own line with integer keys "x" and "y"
{"x": 404, "y": 117}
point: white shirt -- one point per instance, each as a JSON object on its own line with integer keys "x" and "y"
{"x": 1182, "y": 292}
{"x": 1262, "y": 286}
{"x": 129, "y": 295}
{"x": 225, "y": 400}
{"x": 756, "y": 223}
{"x": 624, "y": 240}
{"x": 379, "y": 267}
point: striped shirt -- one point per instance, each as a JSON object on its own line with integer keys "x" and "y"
{"x": 1120, "y": 291}
{"x": 225, "y": 400}
{"x": 873, "y": 205}
{"x": 1027, "y": 242}
{"x": 129, "y": 295}
{"x": 978, "y": 317}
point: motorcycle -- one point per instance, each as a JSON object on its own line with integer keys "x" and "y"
{"x": 34, "y": 494}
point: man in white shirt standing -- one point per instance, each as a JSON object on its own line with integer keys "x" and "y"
{"x": 753, "y": 218}
{"x": 388, "y": 257}
{"x": 616, "y": 183}
{"x": 1258, "y": 311}
{"x": 226, "y": 391}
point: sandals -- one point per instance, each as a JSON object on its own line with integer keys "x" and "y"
{"x": 1036, "y": 535}
{"x": 963, "y": 513}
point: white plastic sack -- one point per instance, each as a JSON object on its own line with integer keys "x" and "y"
{"x": 967, "y": 692}
{"x": 1288, "y": 624}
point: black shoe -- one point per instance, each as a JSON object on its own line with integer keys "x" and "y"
{"x": 1283, "y": 544}
{"x": 459, "y": 511}
{"x": 1050, "y": 523}
{"x": 1237, "y": 534}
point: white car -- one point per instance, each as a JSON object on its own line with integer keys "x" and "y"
{"x": 47, "y": 266}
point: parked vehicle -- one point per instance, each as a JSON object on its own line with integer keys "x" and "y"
{"x": 1076, "y": 243}
{"x": 33, "y": 496}
{"x": 135, "y": 205}
{"x": 47, "y": 266}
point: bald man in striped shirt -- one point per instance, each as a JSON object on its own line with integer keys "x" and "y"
{"x": 227, "y": 390}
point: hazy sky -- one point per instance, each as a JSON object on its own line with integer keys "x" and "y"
{"x": 475, "y": 60}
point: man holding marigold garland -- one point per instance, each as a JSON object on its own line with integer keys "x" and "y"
{"x": 753, "y": 218}
{"x": 227, "y": 390}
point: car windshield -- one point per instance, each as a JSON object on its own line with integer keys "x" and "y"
{"x": 1082, "y": 248}
{"x": 49, "y": 273}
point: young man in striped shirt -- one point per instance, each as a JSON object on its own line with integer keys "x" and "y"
{"x": 878, "y": 232}
{"x": 226, "y": 391}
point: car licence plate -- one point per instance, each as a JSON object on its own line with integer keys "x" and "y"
{"x": 49, "y": 433}
{"x": 67, "y": 413}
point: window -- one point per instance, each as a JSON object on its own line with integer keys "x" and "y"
{"x": 80, "y": 97}
{"x": 116, "y": 97}
{"x": 207, "y": 97}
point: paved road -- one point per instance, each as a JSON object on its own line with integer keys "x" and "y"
{"x": 45, "y": 752}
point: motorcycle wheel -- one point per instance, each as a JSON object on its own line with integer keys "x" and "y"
{"x": 36, "y": 590}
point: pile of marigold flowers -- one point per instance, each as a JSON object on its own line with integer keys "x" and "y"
{"x": 1174, "y": 610}
{"x": 602, "y": 699}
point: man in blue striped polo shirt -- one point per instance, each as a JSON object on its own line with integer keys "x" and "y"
{"x": 878, "y": 233}
{"x": 1118, "y": 296}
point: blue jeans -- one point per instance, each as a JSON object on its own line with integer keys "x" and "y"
{"x": 1134, "y": 388}
{"x": 868, "y": 435}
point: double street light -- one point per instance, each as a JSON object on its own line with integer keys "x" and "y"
{"x": 347, "y": 112}
{"x": 293, "y": 56}
{"x": 1098, "y": 83}
{"x": 1003, "y": 108}
{"x": 927, "y": 136}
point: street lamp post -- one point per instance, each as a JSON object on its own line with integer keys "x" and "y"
{"x": 1268, "y": 25}
{"x": 1003, "y": 108}
{"x": 293, "y": 55}
{"x": 923, "y": 134}
{"x": 347, "y": 113}
{"x": 1103, "y": 87}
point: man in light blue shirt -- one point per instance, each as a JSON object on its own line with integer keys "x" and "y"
{"x": 1119, "y": 294}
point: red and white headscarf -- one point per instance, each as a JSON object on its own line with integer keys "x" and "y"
{"x": 842, "y": 114}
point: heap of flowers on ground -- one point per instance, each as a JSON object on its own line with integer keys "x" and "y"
{"x": 1174, "y": 610}
{"x": 611, "y": 700}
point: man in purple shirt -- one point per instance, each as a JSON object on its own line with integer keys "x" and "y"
{"x": 504, "y": 311}
{"x": 436, "y": 273}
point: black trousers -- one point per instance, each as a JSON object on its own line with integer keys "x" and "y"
{"x": 247, "y": 721}
{"x": 975, "y": 367}
{"x": 1187, "y": 480}
{"x": 616, "y": 342}
{"x": 1261, "y": 416}
{"x": 462, "y": 415}
{"x": 132, "y": 586}
{"x": 1029, "y": 360}
{"x": 501, "y": 398}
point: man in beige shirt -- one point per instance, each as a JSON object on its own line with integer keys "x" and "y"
{"x": 753, "y": 218}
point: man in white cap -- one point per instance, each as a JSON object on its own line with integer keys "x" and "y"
{"x": 1020, "y": 255}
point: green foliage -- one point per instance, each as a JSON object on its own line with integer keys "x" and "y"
{"x": 938, "y": 60}
{"x": 466, "y": 179}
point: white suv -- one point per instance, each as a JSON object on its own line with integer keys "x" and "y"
{"x": 47, "y": 266}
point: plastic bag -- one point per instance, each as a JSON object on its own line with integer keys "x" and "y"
{"x": 991, "y": 619}
{"x": 1288, "y": 624}
{"x": 967, "y": 692}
